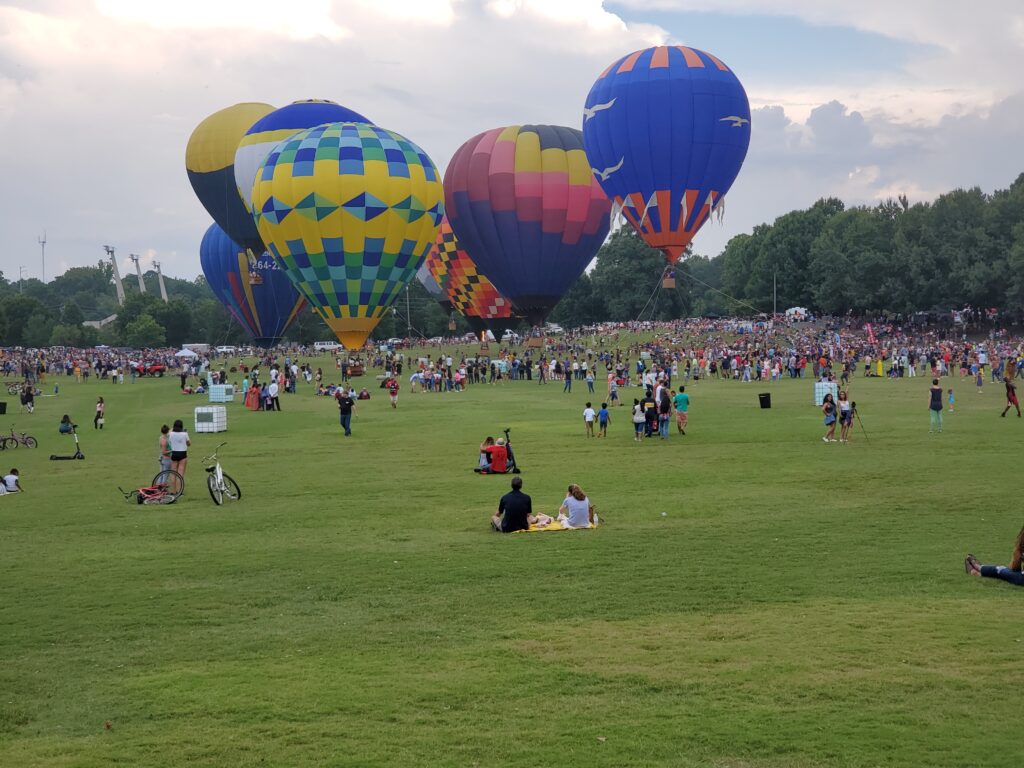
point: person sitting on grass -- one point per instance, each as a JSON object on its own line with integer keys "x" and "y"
{"x": 497, "y": 457}
{"x": 515, "y": 510}
{"x": 66, "y": 427}
{"x": 1012, "y": 573}
{"x": 12, "y": 482}
{"x": 576, "y": 511}
{"x": 484, "y": 455}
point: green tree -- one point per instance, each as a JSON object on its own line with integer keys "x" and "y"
{"x": 38, "y": 330}
{"x": 18, "y": 308}
{"x": 144, "y": 332}
{"x": 175, "y": 317}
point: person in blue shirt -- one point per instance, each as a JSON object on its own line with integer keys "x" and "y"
{"x": 603, "y": 418}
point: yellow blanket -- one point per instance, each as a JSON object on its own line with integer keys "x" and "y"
{"x": 553, "y": 526}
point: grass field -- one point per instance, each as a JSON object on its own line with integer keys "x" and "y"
{"x": 797, "y": 604}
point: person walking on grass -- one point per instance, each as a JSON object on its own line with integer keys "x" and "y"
{"x": 1011, "y": 396}
{"x": 603, "y": 417}
{"x": 682, "y": 404}
{"x": 588, "y": 419}
{"x": 100, "y": 417}
{"x": 639, "y": 419}
{"x": 346, "y": 407}
{"x": 828, "y": 407}
{"x": 664, "y": 414}
{"x": 1011, "y": 573}
{"x": 935, "y": 407}
{"x": 845, "y": 417}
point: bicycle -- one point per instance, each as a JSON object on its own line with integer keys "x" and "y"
{"x": 15, "y": 439}
{"x": 166, "y": 488}
{"x": 220, "y": 484}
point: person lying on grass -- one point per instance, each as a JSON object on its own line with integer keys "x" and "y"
{"x": 1011, "y": 573}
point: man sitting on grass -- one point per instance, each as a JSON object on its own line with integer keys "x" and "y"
{"x": 515, "y": 510}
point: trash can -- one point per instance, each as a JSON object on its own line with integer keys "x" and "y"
{"x": 3, "y": 407}
{"x": 765, "y": 398}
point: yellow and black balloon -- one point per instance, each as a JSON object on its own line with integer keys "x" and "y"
{"x": 209, "y": 160}
{"x": 349, "y": 211}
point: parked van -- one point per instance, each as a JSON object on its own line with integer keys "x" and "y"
{"x": 227, "y": 350}
{"x": 326, "y": 346}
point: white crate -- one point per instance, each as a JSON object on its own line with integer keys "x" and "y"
{"x": 211, "y": 418}
{"x": 822, "y": 388}
{"x": 222, "y": 393}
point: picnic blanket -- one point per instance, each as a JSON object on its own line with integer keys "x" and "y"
{"x": 554, "y": 526}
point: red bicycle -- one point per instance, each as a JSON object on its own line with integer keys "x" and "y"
{"x": 166, "y": 487}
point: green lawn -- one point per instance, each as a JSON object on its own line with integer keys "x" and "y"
{"x": 797, "y": 604}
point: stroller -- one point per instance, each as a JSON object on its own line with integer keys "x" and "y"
{"x": 511, "y": 467}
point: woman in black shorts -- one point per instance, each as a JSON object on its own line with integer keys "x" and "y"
{"x": 178, "y": 442}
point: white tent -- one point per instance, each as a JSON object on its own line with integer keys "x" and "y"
{"x": 186, "y": 353}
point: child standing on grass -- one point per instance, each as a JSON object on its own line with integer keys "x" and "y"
{"x": 588, "y": 419}
{"x": 952, "y": 400}
{"x": 603, "y": 417}
{"x": 979, "y": 378}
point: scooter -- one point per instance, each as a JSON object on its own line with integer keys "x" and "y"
{"x": 510, "y": 465}
{"x": 78, "y": 451}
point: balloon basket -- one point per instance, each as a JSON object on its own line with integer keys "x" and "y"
{"x": 451, "y": 324}
{"x": 668, "y": 282}
{"x": 534, "y": 342}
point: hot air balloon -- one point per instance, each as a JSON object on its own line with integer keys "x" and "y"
{"x": 525, "y": 206}
{"x": 466, "y": 291}
{"x": 666, "y": 130}
{"x": 209, "y": 160}
{"x": 252, "y": 148}
{"x": 349, "y": 210}
{"x": 256, "y": 293}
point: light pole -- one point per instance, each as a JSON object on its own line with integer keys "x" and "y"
{"x": 21, "y": 279}
{"x": 42, "y": 248}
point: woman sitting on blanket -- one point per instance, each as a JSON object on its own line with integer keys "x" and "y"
{"x": 576, "y": 511}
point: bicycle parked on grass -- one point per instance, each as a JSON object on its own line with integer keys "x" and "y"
{"x": 15, "y": 439}
{"x": 165, "y": 489}
{"x": 222, "y": 485}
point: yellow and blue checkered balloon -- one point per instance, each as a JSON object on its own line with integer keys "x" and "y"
{"x": 349, "y": 211}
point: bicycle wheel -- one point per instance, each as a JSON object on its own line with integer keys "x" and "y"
{"x": 11, "y": 442}
{"x": 30, "y": 442}
{"x": 216, "y": 492}
{"x": 172, "y": 481}
{"x": 231, "y": 490}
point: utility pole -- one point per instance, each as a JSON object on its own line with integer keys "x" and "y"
{"x": 42, "y": 247}
{"x": 160, "y": 279}
{"x": 408, "y": 317}
{"x": 775, "y": 294}
{"x": 117, "y": 274}
{"x": 21, "y": 279}
{"x": 138, "y": 271}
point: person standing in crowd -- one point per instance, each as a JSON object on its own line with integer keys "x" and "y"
{"x": 567, "y": 375}
{"x": 828, "y": 407}
{"x": 682, "y": 404}
{"x": 935, "y": 407}
{"x": 273, "y": 395}
{"x": 28, "y": 397}
{"x": 639, "y": 419}
{"x": 100, "y": 418}
{"x": 178, "y": 441}
{"x": 1011, "y": 395}
{"x": 346, "y": 408}
{"x": 664, "y": 413}
{"x": 952, "y": 399}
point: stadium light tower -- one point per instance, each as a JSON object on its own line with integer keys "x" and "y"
{"x": 138, "y": 271}
{"x": 42, "y": 248}
{"x": 117, "y": 274}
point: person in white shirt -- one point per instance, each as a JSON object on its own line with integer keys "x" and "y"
{"x": 12, "y": 482}
{"x": 272, "y": 391}
{"x": 589, "y": 414}
{"x": 178, "y": 442}
{"x": 576, "y": 511}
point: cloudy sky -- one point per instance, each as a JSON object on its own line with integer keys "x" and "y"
{"x": 859, "y": 100}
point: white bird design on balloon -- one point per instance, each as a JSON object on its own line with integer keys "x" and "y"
{"x": 589, "y": 112}
{"x": 603, "y": 175}
{"x": 736, "y": 120}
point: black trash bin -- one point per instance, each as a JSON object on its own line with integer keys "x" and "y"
{"x": 3, "y": 407}
{"x": 765, "y": 398}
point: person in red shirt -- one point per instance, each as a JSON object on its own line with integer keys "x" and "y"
{"x": 393, "y": 392}
{"x": 497, "y": 457}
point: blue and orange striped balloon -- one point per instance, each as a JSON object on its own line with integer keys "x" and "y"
{"x": 666, "y": 130}
{"x": 256, "y": 293}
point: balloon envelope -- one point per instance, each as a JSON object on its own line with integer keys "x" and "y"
{"x": 269, "y": 131}
{"x": 666, "y": 130}
{"x": 526, "y": 208}
{"x": 209, "y": 160}
{"x": 467, "y": 291}
{"x": 349, "y": 210}
{"x": 256, "y": 293}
